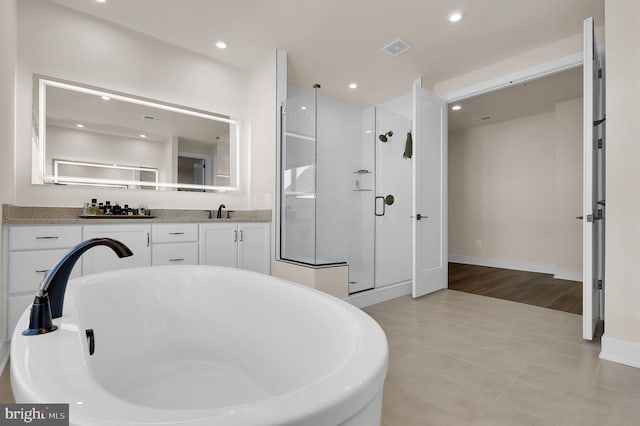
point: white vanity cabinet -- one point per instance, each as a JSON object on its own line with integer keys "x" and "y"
{"x": 31, "y": 251}
{"x": 174, "y": 244}
{"x": 100, "y": 259}
{"x": 237, "y": 245}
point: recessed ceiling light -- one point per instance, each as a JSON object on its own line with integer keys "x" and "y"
{"x": 101, "y": 1}
{"x": 456, "y": 108}
{"x": 353, "y": 85}
{"x": 143, "y": 135}
{"x": 455, "y": 16}
{"x": 303, "y": 108}
{"x": 80, "y": 126}
{"x": 105, "y": 97}
{"x": 368, "y": 131}
{"x": 221, "y": 44}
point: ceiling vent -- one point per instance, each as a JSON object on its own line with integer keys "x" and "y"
{"x": 396, "y": 47}
{"x": 478, "y": 119}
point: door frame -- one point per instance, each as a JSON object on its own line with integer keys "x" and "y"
{"x": 544, "y": 69}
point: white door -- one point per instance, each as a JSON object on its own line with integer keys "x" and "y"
{"x": 430, "y": 235}
{"x": 219, "y": 244}
{"x": 593, "y": 186}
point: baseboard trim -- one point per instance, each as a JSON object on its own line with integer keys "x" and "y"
{"x": 620, "y": 351}
{"x": 566, "y": 274}
{"x": 379, "y": 295}
{"x": 5, "y": 350}
{"x": 563, "y": 274}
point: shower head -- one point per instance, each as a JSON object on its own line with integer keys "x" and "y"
{"x": 384, "y": 137}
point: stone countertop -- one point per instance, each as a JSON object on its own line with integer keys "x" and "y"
{"x": 21, "y": 215}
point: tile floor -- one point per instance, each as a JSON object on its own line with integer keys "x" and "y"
{"x": 463, "y": 359}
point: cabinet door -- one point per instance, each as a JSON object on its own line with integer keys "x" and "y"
{"x": 219, "y": 244}
{"x": 100, "y": 259}
{"x": 254, "y": 250}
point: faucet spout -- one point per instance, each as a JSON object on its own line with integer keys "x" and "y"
{"x": 49, "y": 299}
{"x": 219, "y": 215}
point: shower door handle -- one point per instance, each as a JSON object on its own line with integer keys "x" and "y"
{"x": 384, "y": 204}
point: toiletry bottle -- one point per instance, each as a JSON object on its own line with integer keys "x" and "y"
{"x": 94, "y": 206}
{"x": 107, "y": 207}
{"x": 101, "y": 209}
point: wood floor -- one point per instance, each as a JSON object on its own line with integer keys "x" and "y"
{"x": 531, "y": 288}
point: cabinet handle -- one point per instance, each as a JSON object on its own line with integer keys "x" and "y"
{"x": 176, "y": 260}
{"x": 235, "y": 236}
{"x": 47, "y": 238}
{"x": 148, "y": 239}
{"x": 41, "y": 271}
{"x": 241, "y": 235}
{"x": 176, "y": 233}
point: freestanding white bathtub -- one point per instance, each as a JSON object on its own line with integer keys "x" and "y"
{"x": 198, "y": 345}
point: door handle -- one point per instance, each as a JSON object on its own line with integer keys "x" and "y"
{"x": 580, "y": 217}
{"x": 420, "y": 217}
{"x": 376, "y": 205}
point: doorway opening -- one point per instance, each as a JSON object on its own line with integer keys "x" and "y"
{"x": 515, "y": 190}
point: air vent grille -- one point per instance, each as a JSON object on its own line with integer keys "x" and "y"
{"x": 396, "y": 47}
{"x": 478, "y": 119}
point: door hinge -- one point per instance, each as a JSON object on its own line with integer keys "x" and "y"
{"x": 599, "y": 284}
{"x": 598, "y": 215}
{"x": 599, "y": 122}
{"x": 600, "y": 73}
{"x": 599, "y": 144}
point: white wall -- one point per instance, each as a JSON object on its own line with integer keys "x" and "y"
{"x": 515, "y": 189}
{"x": 621, "y": 341}
{"x": 60, "y": 43}
{"x": 7, "y": 113}
{"x": 501, "y": 191}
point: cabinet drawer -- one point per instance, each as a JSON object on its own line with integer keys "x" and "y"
{"x": 28, "y": 268}
{"x": 44, "y": 237}
{"x": 174, "y": 232}
{"x": 175, "y": 254}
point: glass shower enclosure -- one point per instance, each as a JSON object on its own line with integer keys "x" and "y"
{"x": 345, "y": 192}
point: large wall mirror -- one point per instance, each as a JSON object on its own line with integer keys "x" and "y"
{"x": 85, "y": 135}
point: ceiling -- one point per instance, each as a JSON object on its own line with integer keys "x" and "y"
{"x": 521, "y": 100}
{"x": 335, "y": 42}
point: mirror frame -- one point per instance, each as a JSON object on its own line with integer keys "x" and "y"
{"x": 38, "y": 137}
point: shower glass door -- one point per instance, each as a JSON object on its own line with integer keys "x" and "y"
{"x": 393, "y": 203}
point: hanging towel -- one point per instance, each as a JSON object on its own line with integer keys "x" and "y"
{"x": 408, "y": 147}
